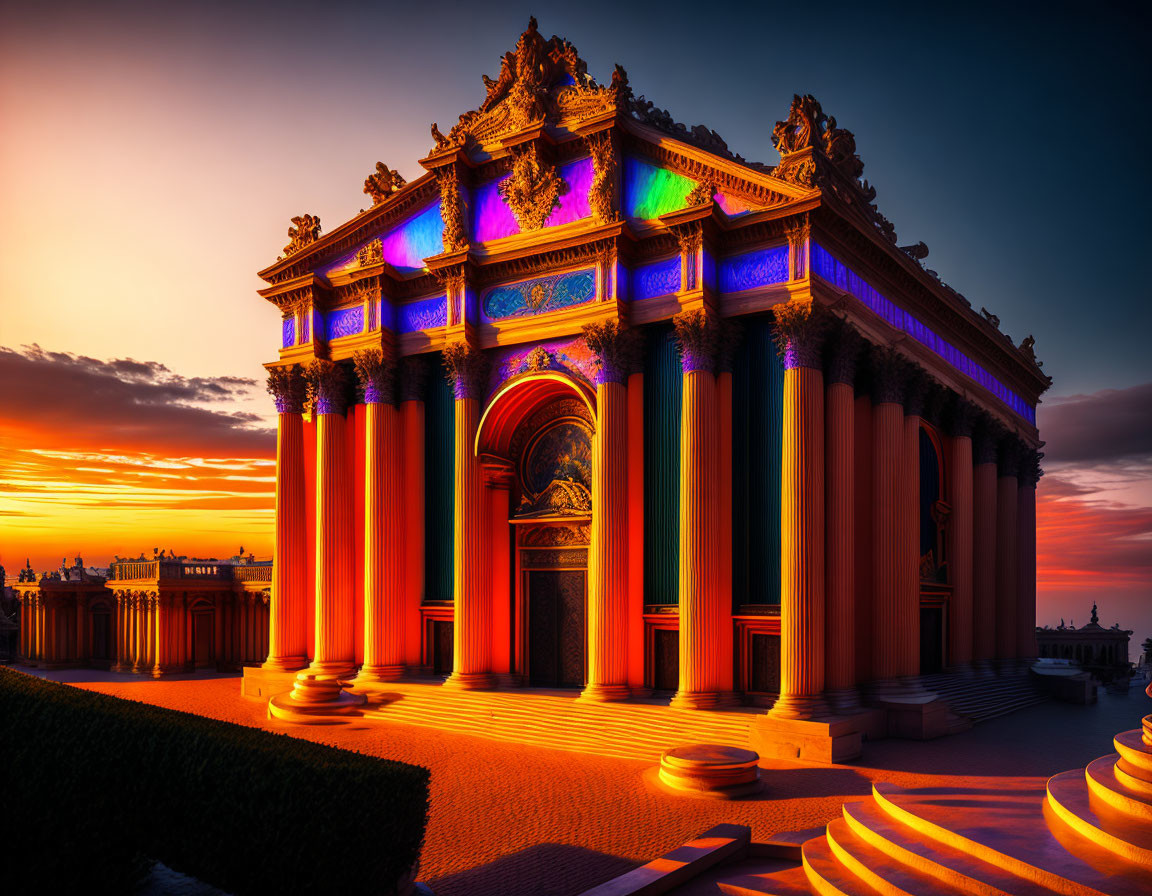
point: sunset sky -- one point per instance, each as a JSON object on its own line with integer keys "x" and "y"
{"x": 151, "y": 156}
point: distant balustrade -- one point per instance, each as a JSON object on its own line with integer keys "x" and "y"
{"x": 135, "y": 570}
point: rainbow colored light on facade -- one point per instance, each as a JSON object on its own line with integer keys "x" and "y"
{"x": 493, "y": 220}
{"x": 651, "y": 191}
{"x": 841, "y": 276}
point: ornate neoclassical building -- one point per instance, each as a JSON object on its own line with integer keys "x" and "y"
{"x": 597, "y": 403}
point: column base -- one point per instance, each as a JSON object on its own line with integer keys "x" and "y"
{"x": 964, "y": 670}
{"x": 798, "y": 707}
{"x": 470, "y": 681}
{"x": 983, "y": 668}
{"x": 284, "y": 663}
{"x": 695, "y": 700}
{"x": 843, "y": 700}
{"x": 605, "y": 693}
{"x": 314, "y": 699}
{"x": 334, "y": 669}
{"x": 900, "y": 689}
{"x": 165, "y": 671}
{"x": 378, "y": 674}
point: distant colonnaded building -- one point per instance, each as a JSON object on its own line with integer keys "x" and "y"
{"x": 1102, "y": 651}
{"x": 597, "y": 403}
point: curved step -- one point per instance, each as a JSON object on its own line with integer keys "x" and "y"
{"x": 1130, "y": 745}
{"x": 1105, "y": 783}
{"x": 954, "y": 867}
{"x": 827, "y": 876}
{"x": 1138, "y": 779}
{"x": 879, "y": 870}
{"x": 1071, "y": 800}
{"x": 1009, "y": 830}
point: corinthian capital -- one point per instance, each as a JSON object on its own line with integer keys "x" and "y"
{"x": 889, "y": 376}
{"x": 377, "y": 374}
{"x": 615, "y": 349}
{"x": 698, "y": 333}
{"x": 466, "y": 369}
{"x": 845, "y": 347}
{"x": 801, "y": 331}
{"x": 288, "y": 390}
{"x": 328, "y": 385}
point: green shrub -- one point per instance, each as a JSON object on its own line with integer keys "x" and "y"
{"x": 91, "y": 784}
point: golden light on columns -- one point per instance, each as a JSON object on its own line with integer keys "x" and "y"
{"x": 608, "y": 551}
{"x": 384, "y": 528}
{"x": 287, "y": 632}
{"x": 699, "y": 542}
{"x": 840, "y": 491}
{"x": 472, "y": 640}
{"x": 961, "y": 420}
{"x": 413, "y": 383}
{"x": 335, "y": 650}
{"x": 984, "y": 544}
{"x": 801, "y": 332}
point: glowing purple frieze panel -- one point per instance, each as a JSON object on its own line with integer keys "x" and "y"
{"x": 571, "y": 356}
{"x": 840, "y": 275}
{"x": 423, "y": 314}
{"x": 763, "y": 267}
{"x": 345, "y": 322}
{"x": 493, "y": 220}
{"x": 540, "y": 295}
{"x": 288, "y": 331}
{"x": 660, "y": 278}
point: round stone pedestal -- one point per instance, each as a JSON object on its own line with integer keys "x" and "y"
{"x": 710, "y": 770}
{"x": 314, "y": 699}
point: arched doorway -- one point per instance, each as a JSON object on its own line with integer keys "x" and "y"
{"x": 540, "y": 428}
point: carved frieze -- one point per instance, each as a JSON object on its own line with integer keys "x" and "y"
{"x": 540, "y": 295}
{"x": 555, "y": 536}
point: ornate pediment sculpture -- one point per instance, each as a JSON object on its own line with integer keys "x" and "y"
{"x": 305, "y": 232}
{"x": 533, "y": 189}
{"x": 383, "y": 183}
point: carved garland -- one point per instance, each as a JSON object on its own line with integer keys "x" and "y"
{"x": 602, "y": 193}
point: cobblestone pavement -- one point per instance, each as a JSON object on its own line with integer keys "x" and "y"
{"x": 506, "y": 818}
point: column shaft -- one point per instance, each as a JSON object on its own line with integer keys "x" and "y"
{"x": 959, "y": 534}
{"x": 384, "y": 520}
{"x": 1026, "y": 584}
{"x": 636, "y": 533}
{"x": 908, "y": 508}
{"x": 607, "y": 555}
{"x": 412, "y": 414}
{"x": 725, "y": 673}
{"x": 1006, "y": 568}
{"x": 887, "y": 450}
{"x": 287, "y": 633}
{"x": 802, "y": 546}
{"x": 983, "y": 562}
{"x": 840, "y": 559}
{"x": 335, "y": 648}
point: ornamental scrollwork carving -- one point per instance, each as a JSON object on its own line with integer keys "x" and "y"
{"x": 371, "y": 253}
{"x": 556, "y": 536}
{"x": 327, "y": 386}
{"x": 377, "y": 374}
{"x": 452, "y": 210}
{"x": 802, "y": 328}
{"x": 614, "y": 349}
{"x": 306, "y": 230}
{"x": 288, "y": 389}
{"x": 383, "y": 183}
{"x": 533, "y": 190}
{"x": 697, "y": 334}
{"x": 466, "y": 368}
{"x": 701, "y": 194}
{"x": 602, "y": 192}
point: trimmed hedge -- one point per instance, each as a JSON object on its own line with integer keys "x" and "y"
{"x": 92, "y": 784}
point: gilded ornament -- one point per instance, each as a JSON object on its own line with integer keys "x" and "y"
{"x": 466, "y": 369}
{"x": 701, "y": 194}
{"x": 452, "y": 210}
{"x": 697, "y": 333}
{"x": 305, "y": 232}
{"x": 377, "y": 374}
{"x": 383, "y": 183}
{"x": 533, "y": 190}
{"x": 372, "y": 253}
{"x": 602, "y": 192}
{"x": 288, "y": 389}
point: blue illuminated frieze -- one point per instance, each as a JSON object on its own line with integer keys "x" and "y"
{"x": 423, "y": 314}
{"x": 540, "y": 295}
{"x": 288, "y": 332}
{"x": 345, "y": 322}
{"x": 660, "y": 278}
{"x": 840, "y": 275}
{"x": 752, "y": 270}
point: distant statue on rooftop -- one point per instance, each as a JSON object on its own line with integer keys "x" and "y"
{"x": 1095, "y": 618}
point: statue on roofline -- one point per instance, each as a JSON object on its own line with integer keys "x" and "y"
{"x": 383, "y": 183}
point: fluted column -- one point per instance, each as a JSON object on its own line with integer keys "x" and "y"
{"x": 801, "y": 332}
{"x": 959, "y": 534}
{"x": 383, "y": 521}
{"x": 413, "y": 382}
{"x": 722, "y": 568}
{"x": 288, "y": 625}
{"x": 839, "y": 521}
{"x": 696, "y": 332}
{"x": 1007, "y": 596}
{"x": 1026, "y": 551}
{"x": 608, "y": 551}
{"x": 138, "y": 614}
{"x": 984, "y": 546}
{"x": 335, "y": 649}
{"x": 888, "y": 382}
{"x": 472, "y": 639}
{"x": 908, "y": 548}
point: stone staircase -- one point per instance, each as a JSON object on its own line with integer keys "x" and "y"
{"x": 1089, "y": 832}
{"x": 557, "y": 720}
{"x": 980, "y": 698}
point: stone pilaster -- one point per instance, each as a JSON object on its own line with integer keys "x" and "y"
{"x": 288, "y": 625}
{"x": 959, "y": 424}
{"x": 384, "y": 528}
{"x": 1030, "y": 474}
{"x": 1007, "y": 561}
{"x": 608, "y": 552}
{"x": 843, "y": 354}
{"x": 335, "y": 654}
{"x": 696, "y": 332}
{"x": 984, "y": 544}
{"x": 472, "y": 639}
